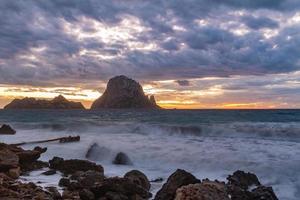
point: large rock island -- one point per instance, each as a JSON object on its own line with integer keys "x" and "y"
{"x": 58, "y": 102}
{"x": 123, "y": 92}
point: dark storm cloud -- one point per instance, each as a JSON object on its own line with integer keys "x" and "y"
{"x": 38, "y": 48}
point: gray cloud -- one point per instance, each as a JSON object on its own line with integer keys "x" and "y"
{"x": 183, "y": 48}
{"x": 259, "y": 22}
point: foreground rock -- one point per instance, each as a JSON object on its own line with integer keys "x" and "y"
{"x": 123, "y": 92}
{"x": 7, "y": 130}
{"x": 120, "y": 188}
{"x": 73, "y": 165}
{"x": 176, "y": 180}
{"x": 246, "y": 186}
{"x": 92, "y": 185}
{"x": 58, "y": 102}
{"x": 139, "y": 178}
{"x": 85, "y": 180}
{"x": 14, "y": 190}
{"x": 15, "y": 160}
{"x": 207, "y": 190}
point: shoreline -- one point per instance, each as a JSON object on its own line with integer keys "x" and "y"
{"x": 83, "y": 179}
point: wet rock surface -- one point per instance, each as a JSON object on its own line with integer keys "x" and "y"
{"x": 122, "y": 159}
{"x": 120, "y": 188}
{"x": 13, "y": 158}
{"x": 7, "y": 130}
{"x": 139, "y": 178}
{"x": 207, "y": 190}
{"x": 176, "y": 180}
{"x": 243, "y": 180}
{"x": 73, "y": 165}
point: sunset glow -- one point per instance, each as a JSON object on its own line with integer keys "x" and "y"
{"x": 231, "y": 56}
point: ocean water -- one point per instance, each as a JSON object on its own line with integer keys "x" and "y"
{"x": 208, "y": 143}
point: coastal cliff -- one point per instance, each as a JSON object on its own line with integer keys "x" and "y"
{"x": 123, "y": 92}
{"x": 58, "y": 102}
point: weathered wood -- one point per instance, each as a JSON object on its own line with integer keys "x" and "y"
{"x": 60, "y": 139}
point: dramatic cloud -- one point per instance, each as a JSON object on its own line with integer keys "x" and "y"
{"x": 82, "y": 43}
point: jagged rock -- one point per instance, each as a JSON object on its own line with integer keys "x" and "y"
{"x": 240, "y": 183}
{"x": 207, "y": 190}
{"x": 13, "y": 190}
{"x": 122, "y": 159}
{"x": 178, "y": 179}
{"x": 70, "y": 195}
{"x": 58, "y": 102}
{"x": 157, "y": 180}
{"x": 49, "y": 172}
{"x": 86, "y": 194}
{"x": 64, "y": 182}
{"x": 8, "y": 159}
{"x": 139, "y": 178}
{"x": 14, "y": 172}
{"x": 74, "y": 165}
{"x": 91, "y": 151}
{"x": 12, "y": 157}
{"x": 243, "y": 180}
{"x": 30, "y": 166}
{"x": 87, "y": 179}
{"x": 40, "y": 149}
{"x": 7, "y": 130}
{"x": 97, "y": 153}
{"x": 123, "y": 92}
{"x": 54, "y": 193}
{"x": 263, "y": 192}
{"x": 120, "y": 188}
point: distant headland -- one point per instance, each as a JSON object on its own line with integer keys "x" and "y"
{"x": 58, "y": 102}
{"x": 121, "y": 93}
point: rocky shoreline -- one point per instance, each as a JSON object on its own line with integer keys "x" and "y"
{"x": 83, "y": 179}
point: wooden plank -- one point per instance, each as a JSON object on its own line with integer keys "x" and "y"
{"x": 60, "y": 139}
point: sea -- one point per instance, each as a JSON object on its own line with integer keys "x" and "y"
{"x": 207, "y": 143}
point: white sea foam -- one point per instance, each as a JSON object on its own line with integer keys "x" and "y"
{"x": 270, "y": 150}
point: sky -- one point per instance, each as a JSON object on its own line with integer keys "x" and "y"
{"x": 188, "y": 53}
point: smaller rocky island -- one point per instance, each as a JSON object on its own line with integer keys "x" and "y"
{"x": 58, "y": 102}
{"x": 123, "y": 92}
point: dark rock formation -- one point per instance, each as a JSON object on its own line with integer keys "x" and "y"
{"x": 49, "y": 172}
{"x": 7, "y": 130}
{"x": 263, "y": 192}
{"x": 246, "y": 186}
{"x": 122, "y": 159}
{"x": 139, "y": 178}
{"x": 74, "y": 165}
{"x": 97, "y": 153}
{"x": 120, "y": 188}
{"x": 58, "y": 102}
{"x": 14, "y": 159}
{"x": 176, "y": 180}
{"x": 8, "y": 159}
{"x": 243, "y": 180}
{"x": 86, "y": 179}
{"x": 13, "y": 190}
{"x": 123, "y": 92}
